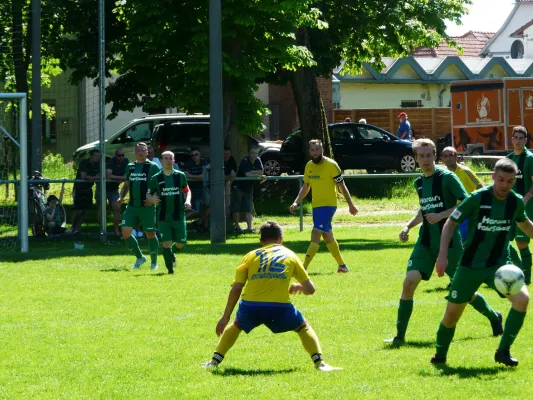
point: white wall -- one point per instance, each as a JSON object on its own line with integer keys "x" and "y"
{"x": 502, "y": 44}
{"x": 528, "y": 42}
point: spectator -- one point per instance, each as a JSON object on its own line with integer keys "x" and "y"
{"x": 83, "y": 192}
{"x": 230, "y": 171}
{"x": 116, "y": 172}
{"x": 152, "y": 158}
{"x": 54, "y": 215}
{"x": 194, "y": 169}
{"x": 347, "y": 119}
{"x": 404, "y": 130}
{"x": 362, "y": 121}
{"x": 242, "y": 191}
{"x": 202, "y": 225}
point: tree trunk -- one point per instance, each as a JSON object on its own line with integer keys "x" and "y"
{"x": 313, "y": 121}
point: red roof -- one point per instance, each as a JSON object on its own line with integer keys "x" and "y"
{"x": 520, "y": 31}
{"x": 471, "y": 42}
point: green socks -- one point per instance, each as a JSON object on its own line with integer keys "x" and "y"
{"x": 153, "y": 244}
{"x": 167, "y": 255}
{"x": 513, "y": 324}
{"x": 133, "y": 246}
{"x": 525, "y": 254}
{"x": 444, "y": 339}
{"x": 481, "y": 306}
{"x": 405, "y": 309}
{"x": 515, "y": 258}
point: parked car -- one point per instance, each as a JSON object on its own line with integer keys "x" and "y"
{"x": 355, "y": 146}
{"x": 137, "y": 130}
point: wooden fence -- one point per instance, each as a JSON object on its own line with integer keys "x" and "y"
{"x": 432, "y": 123}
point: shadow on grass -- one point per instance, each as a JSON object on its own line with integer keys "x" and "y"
{"x": 251, "y": 372}
{"x": 442, "y": 289}
{"x": 468, "y": 372}
{"x": 419, "y": 344}
{"x": 321, "y": 273}
{"x": 42, "y": 249}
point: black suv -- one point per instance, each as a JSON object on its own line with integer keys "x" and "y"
{"x": 355, "y": 146}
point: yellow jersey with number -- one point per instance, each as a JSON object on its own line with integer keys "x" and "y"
{"x": 267, "y": 273}
{"x": 323, "y": 179}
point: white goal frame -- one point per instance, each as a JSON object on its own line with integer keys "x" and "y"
{"x": 23, "y": 147}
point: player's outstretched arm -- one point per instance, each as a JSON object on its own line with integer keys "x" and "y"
{"x": 301, "y": 195}
{"x": 416, "y": 220}
{"x": 233, "y": 298}
{"x": 526, "y": 226}
{"x": 442, "y": 260}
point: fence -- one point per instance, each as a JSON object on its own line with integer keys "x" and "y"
{"x": 432, "y": 123}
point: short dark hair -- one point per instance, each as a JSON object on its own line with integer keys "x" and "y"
{"x": 51, "y": 198}
{"x": 227, "y": 148}
{"x": 94, "y": 151}
{"x": 506, "y": 165}
{"x": 270, "y": 231}
{"x": 194, "y": 148}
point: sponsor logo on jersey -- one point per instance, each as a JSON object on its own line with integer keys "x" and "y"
{"x": 456, "y": 214}
{"x": 430, "y": 203}
{"x": 494, "y": 225}
{"x": 484, "y": 206}
{"x": 137, "y": 176}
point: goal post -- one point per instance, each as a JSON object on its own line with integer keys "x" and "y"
{"x": 22, "y": 145}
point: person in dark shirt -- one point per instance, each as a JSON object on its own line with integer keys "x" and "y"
{"x": 115, "y": 171}
{"x": 83, "y": 192}
{"x": 242, "y": 191}
{"x": 194, "y": 169}
{"x": 230, "y": 172}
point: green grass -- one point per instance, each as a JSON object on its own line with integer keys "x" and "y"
{"x": 82, "y": 325}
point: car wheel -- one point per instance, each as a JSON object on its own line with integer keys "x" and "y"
{"x": 272, "y": 167}
{"x": 407, "y": 163}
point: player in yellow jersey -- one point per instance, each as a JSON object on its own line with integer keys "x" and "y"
{"x": 467, "y": 177}
{"x": 323, "y": 175}
{"x": 265, "y": 275}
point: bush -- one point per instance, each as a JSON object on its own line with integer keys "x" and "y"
{"x": 54, "y": 167}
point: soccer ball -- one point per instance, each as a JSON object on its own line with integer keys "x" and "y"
{"x": 509, "y": 279}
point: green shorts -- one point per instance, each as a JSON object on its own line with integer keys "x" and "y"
{"x": 467, "y": 281}
{"x": 145, "y": 215}
{"x": 423, "y": 260}
{"x": 175, "y": 231}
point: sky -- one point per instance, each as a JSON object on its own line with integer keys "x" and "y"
{"x": 485, "y": 15}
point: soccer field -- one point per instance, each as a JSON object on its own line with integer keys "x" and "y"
{"x": 83, "y": 325}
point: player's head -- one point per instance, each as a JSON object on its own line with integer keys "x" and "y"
{"x": 141, "y": 151}
{"x": 504, "y": 177}
{"x": 167, "y": 159}
{"x": 425, "y": 154}
{"x": 519, "y": 138}
{"x": 316, "y": 150}
{"x": 270, "y": 232}
{"x": 449, "y": 157}
{"x": 151, "y": 153}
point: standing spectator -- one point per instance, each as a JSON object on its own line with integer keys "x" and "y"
{"x": 116, "y": 172}
{"x": 404, "y": 130}
{"x": 242, "y": 191}
{"x": 347, "y": 119}
{"x": 83, "y": 192}
{"x": 194, "y": 169}
{"x": 362, "y": 121}
{"x": 152, "y": 158}
{"x": 230, "y": 171}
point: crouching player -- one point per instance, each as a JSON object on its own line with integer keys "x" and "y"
{"x": 169, "y": 190}
{"x": 492, "y": 213}
{"x": 267, "y": 273}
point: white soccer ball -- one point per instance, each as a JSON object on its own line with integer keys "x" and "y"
{"x": 509, "y": 279}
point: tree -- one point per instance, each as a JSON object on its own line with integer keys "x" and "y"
{"x": 358, "y": 32}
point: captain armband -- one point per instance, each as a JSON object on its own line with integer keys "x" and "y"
{"x": 338, "y": 178}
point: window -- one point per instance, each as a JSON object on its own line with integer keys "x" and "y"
{"x": 411, "y": 103}
{"x": 342, "y": 132}
{"x": 139, "y": 132}
{"x": 517, "y": 49}
{"x": 373, "y": 134}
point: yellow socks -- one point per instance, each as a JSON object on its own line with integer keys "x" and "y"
{"x": 311, "y": 251}
{"x": 333, "y": 248}
{"x": 227, "y": 340}
{"x": 311, "y": 344}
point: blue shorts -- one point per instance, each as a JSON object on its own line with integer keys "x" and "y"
{"x": 278, "y": 317}
{"x": 463, "y": 230}
{"x": 322, "y": 217}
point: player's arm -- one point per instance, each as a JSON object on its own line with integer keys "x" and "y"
{"x": 445, "y": 237}
{"x": 341, "y": 187}
{"x": 416, "y": 220}
{"x": 473, "y": 177}
{"x": 433, "y": 218}
{"x": 301, "y": 195}
{"x": 306, "y": 287}
{"x": 526, "y": 226}
{"x": 188, "y": 197}
{"x": 233, "y": 298}
{"x": 123, "y": 191}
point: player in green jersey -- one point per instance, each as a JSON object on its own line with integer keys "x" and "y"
{"x": 523, "y": 158}
{"x": 438, "y": 191}
{"x": 138, "y": 174}
{"x": 492, "y": 212}
{"x": 168, "y": 189}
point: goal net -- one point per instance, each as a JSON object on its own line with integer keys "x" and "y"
{"x": 13, "y": 153}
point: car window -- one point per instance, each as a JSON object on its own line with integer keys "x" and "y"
{"x": 184, "y": 135}
{"x": 369, "y": 133}
{"x": 342, "y": 132}
{"x": 138, "y": 133}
